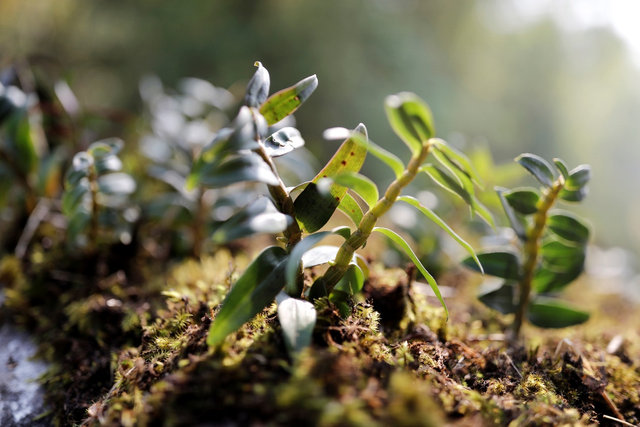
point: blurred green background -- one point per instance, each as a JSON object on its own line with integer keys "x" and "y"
{"x": 557, "y": 78}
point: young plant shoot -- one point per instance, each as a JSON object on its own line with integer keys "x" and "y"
{"x": 550, "y": 251}
{"x": 96, "y": 197}
{"x": 244, "y": 152}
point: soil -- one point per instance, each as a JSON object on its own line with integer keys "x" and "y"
{"x": 126, "y": 345}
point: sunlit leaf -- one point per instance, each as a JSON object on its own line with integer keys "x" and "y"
{"x": 464, "y": 179}
{"x": 351, "y": 208}
{"x": 435, "y": 218}
{"x": 407, "y": 249}
{"x": 258, "y": 87}
{"x": 411, "y": 119}
{"x": 385, "y": 156}
{"x": 116, "y": 183}
{"x": 499, "y": 263}
{"x": 283, "y": 142}
{"x": 458, "y": 157}
{"x": 554, "y": 313}
{"x": 538, "y": 167}
{"x": 319, "y": 255}
{"x": 252, "y": 292}
{"x": 285, "y": 102}
{"x": 361, "y": 185}
{"x": 297, "y": 319}
{"x": 445, "y": 181}
{"x": 313, "y": 208}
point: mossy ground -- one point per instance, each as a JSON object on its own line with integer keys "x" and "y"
{"x": 127, "y": 343}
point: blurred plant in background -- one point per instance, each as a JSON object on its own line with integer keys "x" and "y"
{"x": 181, "y": 123}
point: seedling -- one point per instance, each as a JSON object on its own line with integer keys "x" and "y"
{"x": 244, "y": 152}
{"x": 96, "y": 197}
{"x": 549, "y": 253}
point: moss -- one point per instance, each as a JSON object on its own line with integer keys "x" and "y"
{"x": 131, "y": 347}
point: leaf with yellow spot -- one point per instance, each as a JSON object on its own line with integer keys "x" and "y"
{"x": 315, "y": 207}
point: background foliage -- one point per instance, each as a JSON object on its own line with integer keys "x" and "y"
{"x": 522, "y": 84}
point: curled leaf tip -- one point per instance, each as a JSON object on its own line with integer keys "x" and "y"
{"x": 361, "y": 128}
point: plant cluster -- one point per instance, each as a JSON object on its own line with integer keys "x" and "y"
{"x": 96, "y": 197}
{"x": 244, "y": 151}
{"x": 550, "y": 250}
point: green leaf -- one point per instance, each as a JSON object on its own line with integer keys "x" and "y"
{"x": 261, "y": 216}
{"x": 407, "y": 249}
{"x": 445, "y": 181}
{"x": 351, "y": 208}
{"x": 578, "y": 177}
{"x": 253, "y": 291}
{"x": 554, "y": 313}
{"x": 562, "y": 168}
{"x": 500, "y": 264}
{"x": 361, "y": 185}
{"x": 464, "y": 179}
{"x": 78, "y": 224}
{"x": 499, "y": 297}
{"x": 81, "y": 162}
{"x": 19, "y": 130}
{"x": 109, "y": 163}
{"x": 293, "y": 268}
{"x": 74, "y": 196}
{"x": 239, "y": 169}
{"x": 285, "y": 102}
{"x": 116, "y": 183}
{"x": 523, "y": 200}
{"x": 547, "y": 280}
{"x": 314, "y": 209}
{"x": 258, "y": 87}
{"x": 569, "y": 227}
{"x": 380, "y": 153}
{"x": 105, "y": 147}
{"x": 283, "y": 142}
{"x": 352, "y": 281}
{"x": 517, "y": 222}
{"x": 319, "y": 255}
{"x": 435, "y": 218}
{"x": 560, "y": 255}
{"x": 459, "y": 158}
{"x": 573, "y": 195}
{"x": 411, "y": 119}
{"x": 297, "y": 318}
{"x": 538, "y": 167}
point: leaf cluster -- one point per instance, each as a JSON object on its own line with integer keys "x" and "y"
{"x": 550, "y": 250}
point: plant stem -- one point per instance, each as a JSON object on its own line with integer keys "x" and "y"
{"x": 283, "y": 200}
{"x": 93, "y": 226}
{"x": 531, "y": 251}
{"x": 360, "y": 236}
{"x": 198, "y": 224}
